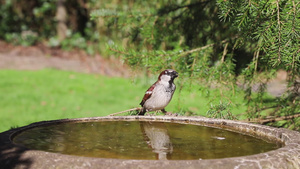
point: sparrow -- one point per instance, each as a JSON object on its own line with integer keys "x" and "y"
{"x": 159, "y": 95}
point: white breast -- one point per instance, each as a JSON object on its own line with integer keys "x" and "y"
{"x": 160, "y": 98}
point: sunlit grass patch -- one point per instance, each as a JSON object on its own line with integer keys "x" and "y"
{"x": 31, "y": 96}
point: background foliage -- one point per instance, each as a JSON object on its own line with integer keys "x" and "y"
{"x": 215, "y": 44}
{"x": 218, "y": 44}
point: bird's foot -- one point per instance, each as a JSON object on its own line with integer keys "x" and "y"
{"x": 171, "y": 114}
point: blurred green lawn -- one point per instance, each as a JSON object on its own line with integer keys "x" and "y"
{"x": 31, "y": 96}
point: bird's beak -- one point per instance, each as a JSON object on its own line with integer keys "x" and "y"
{"x": 175, "y": 74}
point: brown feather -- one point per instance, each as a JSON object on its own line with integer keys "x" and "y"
{"x": 147, "y": 95}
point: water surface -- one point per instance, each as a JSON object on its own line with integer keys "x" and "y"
{"x": 141, "y": 140}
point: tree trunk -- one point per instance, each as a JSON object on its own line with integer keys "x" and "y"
{"x": 61, "y": 17}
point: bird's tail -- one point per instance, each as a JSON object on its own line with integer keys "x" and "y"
{"x": 142, "y": 111}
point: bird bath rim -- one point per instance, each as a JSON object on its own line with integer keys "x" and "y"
{"x": 287, "y": 156}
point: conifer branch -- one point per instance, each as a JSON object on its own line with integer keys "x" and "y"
{"x": 272, "y": 119}
{"x": 279, "y": 31}
{"x": 167, "y": 54}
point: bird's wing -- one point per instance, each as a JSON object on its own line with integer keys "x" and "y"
{"x": 147, "y": 94}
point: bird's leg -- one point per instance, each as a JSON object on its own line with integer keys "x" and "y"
{"x": 168, "y": 113}
{"x": 164, "y": 111}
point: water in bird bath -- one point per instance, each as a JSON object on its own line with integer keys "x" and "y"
{"x": 141, "y": 140}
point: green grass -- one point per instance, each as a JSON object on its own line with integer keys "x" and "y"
{"x": 31, "y": 96}
{"x": 198, "y": 99}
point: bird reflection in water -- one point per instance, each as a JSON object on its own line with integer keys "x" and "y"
{"x": 157, "y": 137}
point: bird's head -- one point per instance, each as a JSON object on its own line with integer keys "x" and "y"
{"x": 168, "y": 75}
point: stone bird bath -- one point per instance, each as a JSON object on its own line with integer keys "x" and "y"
{"x": 149, "y": 142}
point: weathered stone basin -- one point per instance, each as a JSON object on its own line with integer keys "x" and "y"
{"x": 14, "y": 154}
